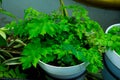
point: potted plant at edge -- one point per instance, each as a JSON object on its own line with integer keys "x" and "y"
{"x": 112, "y": 56}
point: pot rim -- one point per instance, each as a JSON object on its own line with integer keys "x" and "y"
{"x": 115, "y": 53}
{"x": 83, "y": 63}
{"x": 117, "y": 24}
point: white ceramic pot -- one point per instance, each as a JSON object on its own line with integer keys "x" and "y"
{"x": 114, "y": 57}
{"x": 64, "y": 72}
{"x": 112, "y": 61}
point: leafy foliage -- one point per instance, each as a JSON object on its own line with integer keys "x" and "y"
{"x": 5, "y": 72}
{"x": 8, "y": 49}
{"x": 114, "y": 38}
{"x": 115, "y": 30}
{"x": 7, "y": 58}
{"x": 65, "y": 40}
{"x": 32, "y": 50}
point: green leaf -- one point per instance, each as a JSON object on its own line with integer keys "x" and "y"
{"x": 92, "y": 68}
{"x": 7, "y": 13}
{"x": 39, "y": 23}
{"x": 67, "y": 59}
{"x": 17, "y": 71}
{"x": 50, "y": 28}
{"x": 1, "y": 1}
{"x": 3, "y": 34}
{"x": 35, "y": 28}
{"x": 110, "y": 43}
{"x": 3, "y": 68}
{"x": 30, "y": 54}
{"x": 19, "y": 74}
{"x": 26, "y": 62}
{"x": 1, "y": 74}
{"x": 60, "y": 53}
{"x": 35, "y": 61}
{"x": 2, "y": 41}
{"x": 79, "y": 55}
{"x": 47, "y": 55}
{"x": 6, "y": 72}
{"x": 49, "y": 58}
{"x": 5, "y": 53}
{"x": 2, "y": 57}
{"x": 114, "y": 38}
{"x": 12, "y": 61}
{"x": 6, "y": 75}
{"x": 31, "y": 13}
{"x": 64, "y": 26}
{"x": 12, "y": 73}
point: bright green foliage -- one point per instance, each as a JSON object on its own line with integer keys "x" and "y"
{"x": 114, "y": 39}
{"x": 115, "y": 30}
{"x": 31, "y": 54}
{"x": 66, "y": 40}
{"x": 5, "y": 72}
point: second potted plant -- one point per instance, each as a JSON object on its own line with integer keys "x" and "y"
{"x": 112, "y": 56}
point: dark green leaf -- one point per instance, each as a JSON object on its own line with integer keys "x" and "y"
{"x": 2, "y": 41}
{"x": 1, "y": 1}
{"x": 3, "y": 68}
{"x": 12, "y": 73}
{"x": 7, "y": 13}
{"x": 1, "y": 74}
{"x": 5, "y": 53}
{"x": 6, "y": 75}
{"x": 12, "y": 61}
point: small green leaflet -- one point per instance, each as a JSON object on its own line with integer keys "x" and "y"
{"x": 30, "y": 54}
